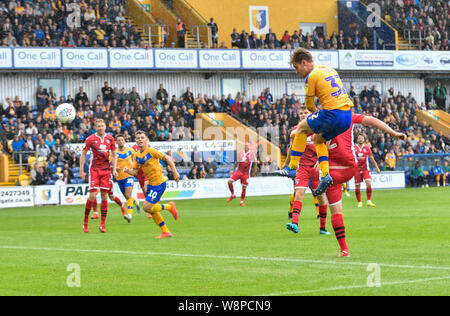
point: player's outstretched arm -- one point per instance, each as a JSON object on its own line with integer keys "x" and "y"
{"x": 114, "y": 162}
{"x": 374, "y": 122}
{"x": 172, "y": 166}
{"x": 82, "y": 161}
{"x": 288, "y": 158}
{"x": 375, "y": 164}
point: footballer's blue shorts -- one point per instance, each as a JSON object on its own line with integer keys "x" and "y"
{"x": 330, "y": 123}
{"x": 155, "y": 193}
{"x": 125, "y": 183}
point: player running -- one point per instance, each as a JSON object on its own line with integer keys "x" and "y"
{"x": 363, "y": 153}
{"x": 342, "y": 167}
{"x": 102, "y": 146}
{"x": 148, "y": 158}
{"x": 126, "y": 183}
{"x": 333, "y": 119}
{"x": 245, "y": 164}
{"x": 142, "y": 179}
{"x": 307, "y": 176}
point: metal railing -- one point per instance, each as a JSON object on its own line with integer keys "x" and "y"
{"x": 414, "y": 38}
{"x": 18, "y": 157}
{"x": 202, "y": 34}
{"x": 156, "y": 33}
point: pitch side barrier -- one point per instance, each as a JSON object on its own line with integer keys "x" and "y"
{"x": 76, "y": 194}
{"x": 214, "y": 59}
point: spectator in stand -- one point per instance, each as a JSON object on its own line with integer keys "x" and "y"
{"x": 440, "y": 95}
{"x": 181, "y": 32}
{"x": 214, "y": 31}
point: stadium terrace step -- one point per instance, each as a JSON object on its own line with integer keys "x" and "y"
{"x": 7, "y": 184}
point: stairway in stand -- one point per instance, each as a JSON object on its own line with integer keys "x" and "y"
{"x": 14, "y": 173}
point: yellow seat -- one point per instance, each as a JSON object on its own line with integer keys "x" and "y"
{"x": 10, "y": 145}
{"x": 31, "y": 160}
{"x": 24, "y": 180}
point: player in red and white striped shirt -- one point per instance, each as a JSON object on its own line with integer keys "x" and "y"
{"x": 246, "y": 164}
{"x": 363, "y": 153}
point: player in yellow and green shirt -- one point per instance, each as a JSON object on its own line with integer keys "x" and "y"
{"x": 126, "y": 183}
{"x": 148, "y": 159}
{"x": 333, "y": 118}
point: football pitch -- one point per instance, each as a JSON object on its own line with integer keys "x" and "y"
{"x": 399, "y": 247}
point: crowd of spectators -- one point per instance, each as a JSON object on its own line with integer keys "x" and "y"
{"x": 430, "y": 18}
{"x": 50, "y": 23}
{"x": 297, "y": 38}
{"x": 34, "y": 127}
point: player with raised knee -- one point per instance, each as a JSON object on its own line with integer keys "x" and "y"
{"x": 148, "y": 158}
{"x": 307, "y": 176}
{"x": 102, "y": 146}
{"x": 343, "y": 167}
{"x": 246, "y": 165}
{"x": 331, "y": 120}
{"x": 125, "y": 182}
{"x": 142, "y": 179}
{"x": 363, "y": 153}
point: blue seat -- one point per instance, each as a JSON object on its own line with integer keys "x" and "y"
{"x": 51, "y": 182}
{"x": 55, "y": 177}
{"x": 76, "y": 169}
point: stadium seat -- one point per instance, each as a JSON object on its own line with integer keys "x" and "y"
{"x": 76, "y": 169}
{"x": 24, "y": 180}
{"x": 51, "y": 182}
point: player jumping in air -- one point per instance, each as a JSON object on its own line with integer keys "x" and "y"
{"x": 126, "y": 183}
{"x": 246, "y": 164}
{"x": 343, "y": 167}
{"x": 148, "y": 158}
{"x": 307, "y": 176}
{"x": 333, "y": 119}
{"x": 102, "y": 146}
{"x": 363, "y": 153}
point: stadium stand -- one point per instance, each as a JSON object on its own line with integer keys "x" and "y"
{"x": 424, "y": 24}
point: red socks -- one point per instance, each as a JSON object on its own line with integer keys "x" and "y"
{"x": 339, "y": 229}
{"x": 94, "y": 205}
{"x": 87, "y": 210}
{"x": 358, "y": 194}
{"x": 230, "y": 186}
{"x": 369, "y": 193}
{"x": 323, "y": 216}
{"x": 244, "y": 191}
{"x": 296, "y": 209}
{"x": 118, "y": 201}
{"x": 104, "y": 211}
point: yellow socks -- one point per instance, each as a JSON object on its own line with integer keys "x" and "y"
{"x": 159, "y": 220}
{"x": 322, "y": 154}
{"x": 316, "y": 203}
{"x": 130, "y": 204}
{"x": 297, "y": 150}
{"x": 344, "y": 185}
{"x": 291, "y": 203}
{"x": 160, "y": 207}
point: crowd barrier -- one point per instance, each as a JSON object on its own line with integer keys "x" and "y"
{"x": 76, "y": 194}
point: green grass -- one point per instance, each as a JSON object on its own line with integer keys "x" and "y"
{"x": 223, "y": 249}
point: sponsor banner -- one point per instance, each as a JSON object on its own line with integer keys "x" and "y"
{"x": 394, "y": 60}
{"x": 84, "y": 58}
{"x": 355, "y": 59}
{"x": 176, "y": 58}
{"x": 202, "y": 145}
{"x": 266, "y": 59}
{"x": 219, "y": 59}
{"x": 16, "y": 197}
{"x": 121, "y": 58}
{"x": 37, "y": 58}
{"x": 422, "y": 60}
{"x": 385, "y": 180}
{"x": 297, "y": 87}
{"x": 6, "y": 58}
{"x": 218, "y": 188}
{"x": 326, "y": 58}
{"x": 77, "y": 194}
{"x": 46, "y": 194}
{"x": 259, "y": 19}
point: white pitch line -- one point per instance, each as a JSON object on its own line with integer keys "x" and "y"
{"x": 342, "y": 261}
{"x": 340, "y": 288}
